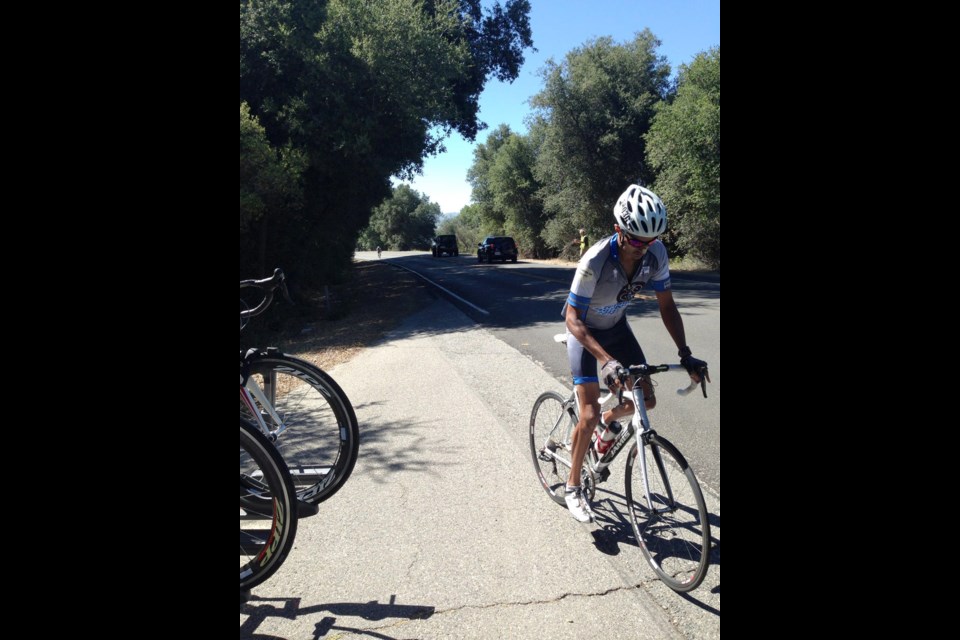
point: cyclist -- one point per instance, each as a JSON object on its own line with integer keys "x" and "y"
{"x": 608, "y": 276}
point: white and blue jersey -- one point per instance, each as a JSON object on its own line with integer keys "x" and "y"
{"x": 601, "y": 291}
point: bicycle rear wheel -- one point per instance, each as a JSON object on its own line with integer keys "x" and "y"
{"x": 673, "y": 526}
{"x": 320, "y": 438}
{"x": 552, "y": 423}
{"x": 268, "y": 520}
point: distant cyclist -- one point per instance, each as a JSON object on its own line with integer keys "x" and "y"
{"x": 608, "y": 276}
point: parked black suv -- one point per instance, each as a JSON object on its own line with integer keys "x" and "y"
{"x": 444, "y": 244}
{"x": 497, "y": 247}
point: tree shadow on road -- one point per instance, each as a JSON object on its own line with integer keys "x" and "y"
{"x": 616, "y": 532}
{"x": 389, "y": 447}
{"x": 543, "y": 291}
{"x": 380, "y": 302}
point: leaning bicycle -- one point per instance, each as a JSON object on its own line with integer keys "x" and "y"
{"x": 268, "y": 515}
{"x": 298, "y": 407}
{"x": 664, "y": 500}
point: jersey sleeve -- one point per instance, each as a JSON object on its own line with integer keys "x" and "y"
{"x": 660, "y": 280}
{"x": 584, "y": 283}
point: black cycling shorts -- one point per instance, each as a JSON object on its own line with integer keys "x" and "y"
{"x": 618, "y": 341}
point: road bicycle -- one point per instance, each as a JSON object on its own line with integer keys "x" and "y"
{"x": 299, "y": 408}
{"x": 268, "y": 516}
{"x": 664, "y": 500}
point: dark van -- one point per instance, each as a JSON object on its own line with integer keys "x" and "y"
{"x": 444, "y": 245}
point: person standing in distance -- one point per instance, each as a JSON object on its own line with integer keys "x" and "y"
{"x": 607, "y": 278}
{"x": 584, "y": 242}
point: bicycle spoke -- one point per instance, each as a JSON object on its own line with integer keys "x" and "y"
{"x": 551, "y": 430}
{"x": 668, "y": 514}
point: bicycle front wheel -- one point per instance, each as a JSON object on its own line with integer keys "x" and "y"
{"x": 319, "y": 437}
{"x": 552, "y": 423}
{"x": 668, "y": 513}
{"x": 268, "y": 517}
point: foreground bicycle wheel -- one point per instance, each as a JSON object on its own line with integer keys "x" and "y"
{"x": 268, "y": 522}
{"x": 673, "y": 529}
{"x": 320, "y": 439}
{"x": 551, "y": 431}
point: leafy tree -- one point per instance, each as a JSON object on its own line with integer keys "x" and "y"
{"x": 505, "y": 191}
{"x": 404, "y": 221}
{"x": 269, "y": 178}
{"x": 684, "y": 147}
{"x": 516, "y": 194}
{"x": 483, "y": 192}
{"x": 590, "y": 119}
{"x": 467, "y": 226}
{"x": 365, "y": 89}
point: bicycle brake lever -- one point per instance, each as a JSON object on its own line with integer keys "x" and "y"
{"x": 622, "y": 377}
{"x": 283, "y": 288}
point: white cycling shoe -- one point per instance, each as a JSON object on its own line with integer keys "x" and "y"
{"x": 578, "y": 505}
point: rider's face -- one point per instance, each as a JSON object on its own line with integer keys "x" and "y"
{"x": 629, "y": 243}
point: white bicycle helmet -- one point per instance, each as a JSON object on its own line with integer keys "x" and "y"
{"x": 640, "y": 212}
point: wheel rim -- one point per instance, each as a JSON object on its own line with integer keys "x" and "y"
{"x": 673, "y": 534}
{"x": 551, "y": 427}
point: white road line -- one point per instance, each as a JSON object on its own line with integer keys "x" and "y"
{"x": 444, "y": 289}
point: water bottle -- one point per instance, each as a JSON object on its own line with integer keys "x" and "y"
{"x": 607, "y": 436}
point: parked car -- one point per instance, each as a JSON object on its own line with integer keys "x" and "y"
{"x": 444, "y": 244}
{"x": 497, "y": 248}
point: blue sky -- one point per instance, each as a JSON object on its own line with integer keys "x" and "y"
{"x": 685, "y": 28}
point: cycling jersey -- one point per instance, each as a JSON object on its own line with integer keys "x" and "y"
{"x": 601, "y": 290}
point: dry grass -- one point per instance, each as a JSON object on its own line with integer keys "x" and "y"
{"x": 373, "y": 301}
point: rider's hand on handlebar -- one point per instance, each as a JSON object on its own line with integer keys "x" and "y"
{"x": 694, "y": 366}
{"x": 609, "y": 373}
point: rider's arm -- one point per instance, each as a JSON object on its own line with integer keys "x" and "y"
{"x": 674, "y": 323}
{"x": 671, "y": 317}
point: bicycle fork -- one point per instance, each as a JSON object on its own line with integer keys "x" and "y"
{"x": 643, "y": 443}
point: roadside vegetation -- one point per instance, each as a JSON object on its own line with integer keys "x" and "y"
{"x": 339, "y": 96}
{"x": 606, "y": 117}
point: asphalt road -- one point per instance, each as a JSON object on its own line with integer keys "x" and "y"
{"x": 443, "y": 530}
{"x": 521, "y": 304}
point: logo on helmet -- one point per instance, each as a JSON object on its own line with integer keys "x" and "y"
{"x": 625, "y": 220}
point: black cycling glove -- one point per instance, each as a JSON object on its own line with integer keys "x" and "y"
{"x": 691, "y": 364}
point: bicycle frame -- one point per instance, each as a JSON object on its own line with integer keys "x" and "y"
{"x": 640, "y": 417}
{"x": 662, "y": 495}
{"x": 250, "y": 391}
{"x": 597, "y": 465}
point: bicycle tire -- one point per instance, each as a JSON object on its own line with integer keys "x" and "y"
{"x": 321, "y": 437}
{"x": 266, "y": 495}
{"x": 551, "y": 421}
{"x": 675, "y": 536}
